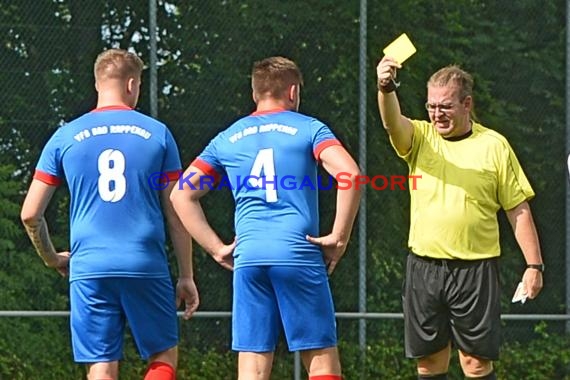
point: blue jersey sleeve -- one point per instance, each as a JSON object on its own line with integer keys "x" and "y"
{"x": 211, "y": 157}
{"x": 50, "y": 160}
{"x": 321, "y": 137}
{"x": 172, "y": 157}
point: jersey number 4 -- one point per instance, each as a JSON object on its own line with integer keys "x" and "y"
{"x": 264, "y": 163}
{"x": 112, "y": 184}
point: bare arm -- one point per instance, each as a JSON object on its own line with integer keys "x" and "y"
{"x": 32, "y": 215}
{"x": 182, "y": 244}
{"x": 181, "y": 240}
{"x": 186, "y": 202}
{"x": 335, "y": 160}
{"x": 524, "y": 229}
{"x": 398, "y": 126}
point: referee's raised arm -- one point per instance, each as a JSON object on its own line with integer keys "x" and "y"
{"x": 398, "y": 126}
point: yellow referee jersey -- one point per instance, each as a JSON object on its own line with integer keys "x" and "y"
{"x": 463, "y": 185}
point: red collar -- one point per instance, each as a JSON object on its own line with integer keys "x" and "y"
{"x": 274, "y": 110}
{"x": 112, "y": 108}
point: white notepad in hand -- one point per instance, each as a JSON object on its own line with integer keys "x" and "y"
{"x": 520, "y": 294}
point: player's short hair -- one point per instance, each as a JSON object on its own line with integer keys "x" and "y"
{"x": 117, "y": 64}
{"x": 272, "y": 76}
{"x": 453, "y": 74}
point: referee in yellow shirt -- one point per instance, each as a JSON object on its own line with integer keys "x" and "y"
{"x": 467, "y": 174}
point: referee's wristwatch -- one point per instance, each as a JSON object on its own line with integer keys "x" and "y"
{"x": 539, "y": 267}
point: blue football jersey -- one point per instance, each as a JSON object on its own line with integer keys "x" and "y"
{"x": 269, "y": 160}
{"x": 107, "y": 157}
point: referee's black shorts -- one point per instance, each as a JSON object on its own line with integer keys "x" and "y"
{"x": 452, "y": 300}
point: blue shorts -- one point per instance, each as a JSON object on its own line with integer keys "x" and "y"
{"x": 269, "y": 298}
{"x": 101, "y": 307}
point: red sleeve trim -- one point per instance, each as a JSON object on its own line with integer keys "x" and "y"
{"x": 324, "y": 145}
{"x": 206, "y": 168}
{"x": 47, "y": 178}
{"x": 172, "y": 176}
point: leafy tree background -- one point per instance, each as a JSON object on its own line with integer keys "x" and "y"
{"x": 515, "y": 50}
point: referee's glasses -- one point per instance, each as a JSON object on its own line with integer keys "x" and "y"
{"x": 443, "y": 107}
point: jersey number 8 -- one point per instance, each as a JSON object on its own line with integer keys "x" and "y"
{"x": 112, "y": 184}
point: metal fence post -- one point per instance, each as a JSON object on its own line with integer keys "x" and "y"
{"x": 297, "y": 365}
{"x": 152, "y": 31}
{"x": 362, "y": 236}
{"x": 567, "y": 151}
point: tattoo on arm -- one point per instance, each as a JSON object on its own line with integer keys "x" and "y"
{"x": 39, "y": 234}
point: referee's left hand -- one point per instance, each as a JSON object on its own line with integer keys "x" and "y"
{"x": 532, "y": 282}
{"x": 333, "y": 249}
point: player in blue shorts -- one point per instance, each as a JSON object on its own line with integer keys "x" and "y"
{"x": 118, "y": 269}
{"x": 270, "y": 161}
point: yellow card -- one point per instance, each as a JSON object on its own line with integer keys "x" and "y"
{"x": 400, "y": 49}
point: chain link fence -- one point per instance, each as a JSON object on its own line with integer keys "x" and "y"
{"x": 197, "y": 81}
